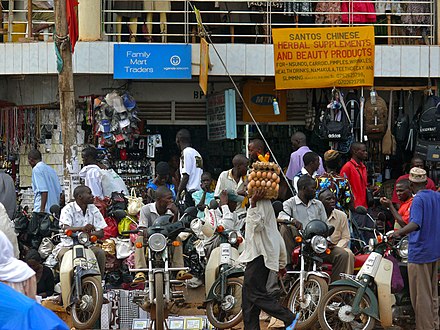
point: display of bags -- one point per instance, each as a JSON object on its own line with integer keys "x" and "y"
{"x": 375, "y": 117}
{"x": 112, "y": 228}
{"x": 40, "y": 224}
{"x": 335, "y": 121}
{"x": 134, "y": 203}
{"x": 21, "y": 223}
{"x": 112, "y": 182}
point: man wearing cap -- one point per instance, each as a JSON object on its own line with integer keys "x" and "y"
{"x": 334, "y": 182}
{"x": 416, "y": 161}
{"x": 300, "y": 148}
{"x": 423, "y": 250}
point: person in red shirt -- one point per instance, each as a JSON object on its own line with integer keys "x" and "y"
{"x": 356, "y": 173}
{"x": 405, "y": 197}
{"x": 415, "y": 162}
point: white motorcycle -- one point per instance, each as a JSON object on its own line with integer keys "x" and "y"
{"x": 80, "y": 279}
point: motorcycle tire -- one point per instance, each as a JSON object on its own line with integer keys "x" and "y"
{"x": 331, "y": 305}
{"x": 308, "y": 317}
{"x": 87, "y": 311}
{"x": 215, "y": 312}
{"x": 160, "y": 303}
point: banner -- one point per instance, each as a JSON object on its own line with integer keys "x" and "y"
{"x": 151, "y": 61}
{"x": 204, "y": 65}
{"x": 221, "y": 115}
{"x": 324, "y": 57}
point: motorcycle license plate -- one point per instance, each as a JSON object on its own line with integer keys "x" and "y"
{"x": 225, "y": 255}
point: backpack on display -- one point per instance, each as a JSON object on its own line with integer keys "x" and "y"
{"x": 401, "y": 127}
{"x": 335, "y": 124}
{"x": 375, "y": 117}
{"x": 429, "y": 121}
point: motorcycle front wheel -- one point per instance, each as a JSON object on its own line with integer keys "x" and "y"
{"x": 86, "y": 312}
{"x": 160, "y": 304}
{"x": 314, "y": 289}
{"x": 226, "y": 313}
{"x": 335, "y": 310}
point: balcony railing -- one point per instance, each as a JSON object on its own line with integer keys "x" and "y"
{"x": 396, "y": 22}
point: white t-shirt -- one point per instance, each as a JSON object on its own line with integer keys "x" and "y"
{"x": 92, "y": 176}
{"x": 191, "y": 163}
{"x": 73, "y": 216}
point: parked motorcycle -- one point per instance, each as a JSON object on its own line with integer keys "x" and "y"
{"x": 80, "y": 279}
{"x": 223, "y": 279}
{"x": 308, "y": 283}
{"x": 159, "y": 290}
{"x": 356, "y": 302}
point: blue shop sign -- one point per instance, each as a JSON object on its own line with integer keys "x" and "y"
{"x": 147, "y": 61}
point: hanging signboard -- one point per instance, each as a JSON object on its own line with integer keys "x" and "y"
{"x": 149, "y": 61}
{"x": 259, "y": 96}
{"x": 324, "y": 57}
{"x": 221, "y": 116}
{"x": 204, "y": 65}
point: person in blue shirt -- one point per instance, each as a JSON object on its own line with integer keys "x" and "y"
{"x": 45, "y": 183}
{"x": 203, "y": 197}
{"x": 162, "y": 178}
{"x": 423, "y": 230}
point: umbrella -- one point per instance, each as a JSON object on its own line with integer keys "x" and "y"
{"x": 20, "y": 312}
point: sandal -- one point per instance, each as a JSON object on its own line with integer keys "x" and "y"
{"x": 139, "y": 278}
{"x": 183, "y": 275}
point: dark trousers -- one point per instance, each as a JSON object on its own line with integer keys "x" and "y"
{"x": 256, "y": 298}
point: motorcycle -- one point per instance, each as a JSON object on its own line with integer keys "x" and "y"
{"x": 160, "y": 288}
{"x": 357, "y": 302}
{"x": 308, "y": 284}
{"x": 223, "y": 279}
{"x": 80, "y": 279}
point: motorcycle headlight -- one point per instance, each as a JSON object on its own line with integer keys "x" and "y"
{"x": 403, "y": 248}
{"x": 319, "y": 244}
{"x": 83, "y": 238}
{"x": 232, "y": 237}
{"x": 157, "y": 242}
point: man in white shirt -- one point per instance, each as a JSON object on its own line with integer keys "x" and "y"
{"x": 232, "y": 218}
{"x": 164, "y": 205}
{"x": 82, "y": 216}
{"x": 191, "y": 168}
{"x": 91, "y": 172}
{"x": 233, "y": 179}
{"x": 311, "y": 165}
{"x": 337, "y": 219}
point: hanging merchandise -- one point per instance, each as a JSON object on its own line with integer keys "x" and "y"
{"x": 116, "y": 117}
{"x": 335, "y": 121}
{"x": 388, "y": 141}
{"x": 375, "y": 116}
{"x": 401, "y": 127}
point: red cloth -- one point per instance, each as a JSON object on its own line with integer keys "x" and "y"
{"x": 404, "y": 210}
{"x": 72, "y": 22}
{"x": 358, "y": 183}
{"x": 355, "y": 6}
{"x": 430, "y": 185}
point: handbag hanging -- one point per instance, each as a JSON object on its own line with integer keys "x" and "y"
{"x": 123, "y": 248}
{"x": 134, "y": 203}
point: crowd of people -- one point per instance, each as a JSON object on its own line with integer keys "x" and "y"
{"x": 312, "y": 188}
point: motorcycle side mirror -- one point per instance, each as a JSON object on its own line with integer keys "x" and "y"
{"x": 119, "y": 214}
{"x": 331, "y": 230}
{"x": 277, "y": 207}
{"x": 213, "y": 204}
{"x": 191, "y": 211}
{"x": 361, "y": 210}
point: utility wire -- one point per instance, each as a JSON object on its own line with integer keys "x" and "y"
{"x": 204, "y": 33}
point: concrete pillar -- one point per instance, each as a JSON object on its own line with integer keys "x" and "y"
{"x": 89, "y": 20}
